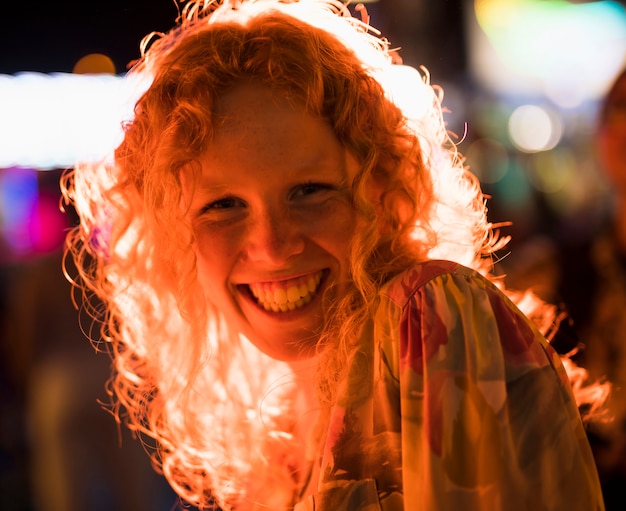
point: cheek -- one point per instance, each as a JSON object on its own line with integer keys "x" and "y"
{"x": 213, "y": 264}
{"x": 206, "y": 276}
{"x": 338, "y": 231}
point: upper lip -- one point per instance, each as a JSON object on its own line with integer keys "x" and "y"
{"x": 280, "y": 277}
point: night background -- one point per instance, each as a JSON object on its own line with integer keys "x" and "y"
{"x": 59, "y": 451}
{"x": 51, "y": 36}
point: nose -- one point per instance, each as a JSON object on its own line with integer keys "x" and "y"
{"x": 274, "y": 237}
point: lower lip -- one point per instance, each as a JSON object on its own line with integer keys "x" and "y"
{"x": 288, "y": 315}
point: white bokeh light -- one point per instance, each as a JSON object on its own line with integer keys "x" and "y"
{"x": 533, "y": 129}
{"x": 53, "y": 121}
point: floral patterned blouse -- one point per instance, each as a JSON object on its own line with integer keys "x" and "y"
{"x": 454, "y": 401}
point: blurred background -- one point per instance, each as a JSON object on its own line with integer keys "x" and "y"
{"x": 523, "y": 80}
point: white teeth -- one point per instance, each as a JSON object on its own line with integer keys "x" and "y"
{"x": 281, "y": 298}
{"x": 286, "y": 295}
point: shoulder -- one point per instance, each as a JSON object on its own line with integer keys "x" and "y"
{"x": 446, "y": 314}
{"x": 444, "y": 296}
{"x": 402, "y": 288}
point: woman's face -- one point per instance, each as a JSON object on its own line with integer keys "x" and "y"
{"x": 273, "y": 220}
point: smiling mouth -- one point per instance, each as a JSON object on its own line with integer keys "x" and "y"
{"x": 286, "y": 295}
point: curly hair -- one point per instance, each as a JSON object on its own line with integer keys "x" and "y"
{"x": 220, "y": 413}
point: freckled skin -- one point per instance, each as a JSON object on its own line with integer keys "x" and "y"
{"x": 273, "y": 204}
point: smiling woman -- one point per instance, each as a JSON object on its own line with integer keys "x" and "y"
{"x": 267, "y": 240}
{"x": 274, "y": 218}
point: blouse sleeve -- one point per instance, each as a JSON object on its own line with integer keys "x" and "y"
{"x": 488, "y": 420}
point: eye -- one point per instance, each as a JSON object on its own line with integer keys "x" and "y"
{"x": 307, "y": 189}
{"x": 222, "y": 207}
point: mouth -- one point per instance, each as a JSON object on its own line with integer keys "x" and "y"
{"x": 286, "y": 295}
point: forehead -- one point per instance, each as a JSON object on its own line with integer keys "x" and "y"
{"x": 258, "y": 131}
{"x": 257, "y": 119}
{"x": 247, "y": 96}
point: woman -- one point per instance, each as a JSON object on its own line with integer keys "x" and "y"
{"x": 268, "y": 242}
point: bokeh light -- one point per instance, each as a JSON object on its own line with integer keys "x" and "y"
{"x": 53, "y": 121}
{"x": 19, "y": 199}
{"x": 566, "y": 51}
{"x": 532, "y": 129}
{"x": 94, "y": 63}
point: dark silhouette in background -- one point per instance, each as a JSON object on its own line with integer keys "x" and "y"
{"x": 584, "y": 270}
